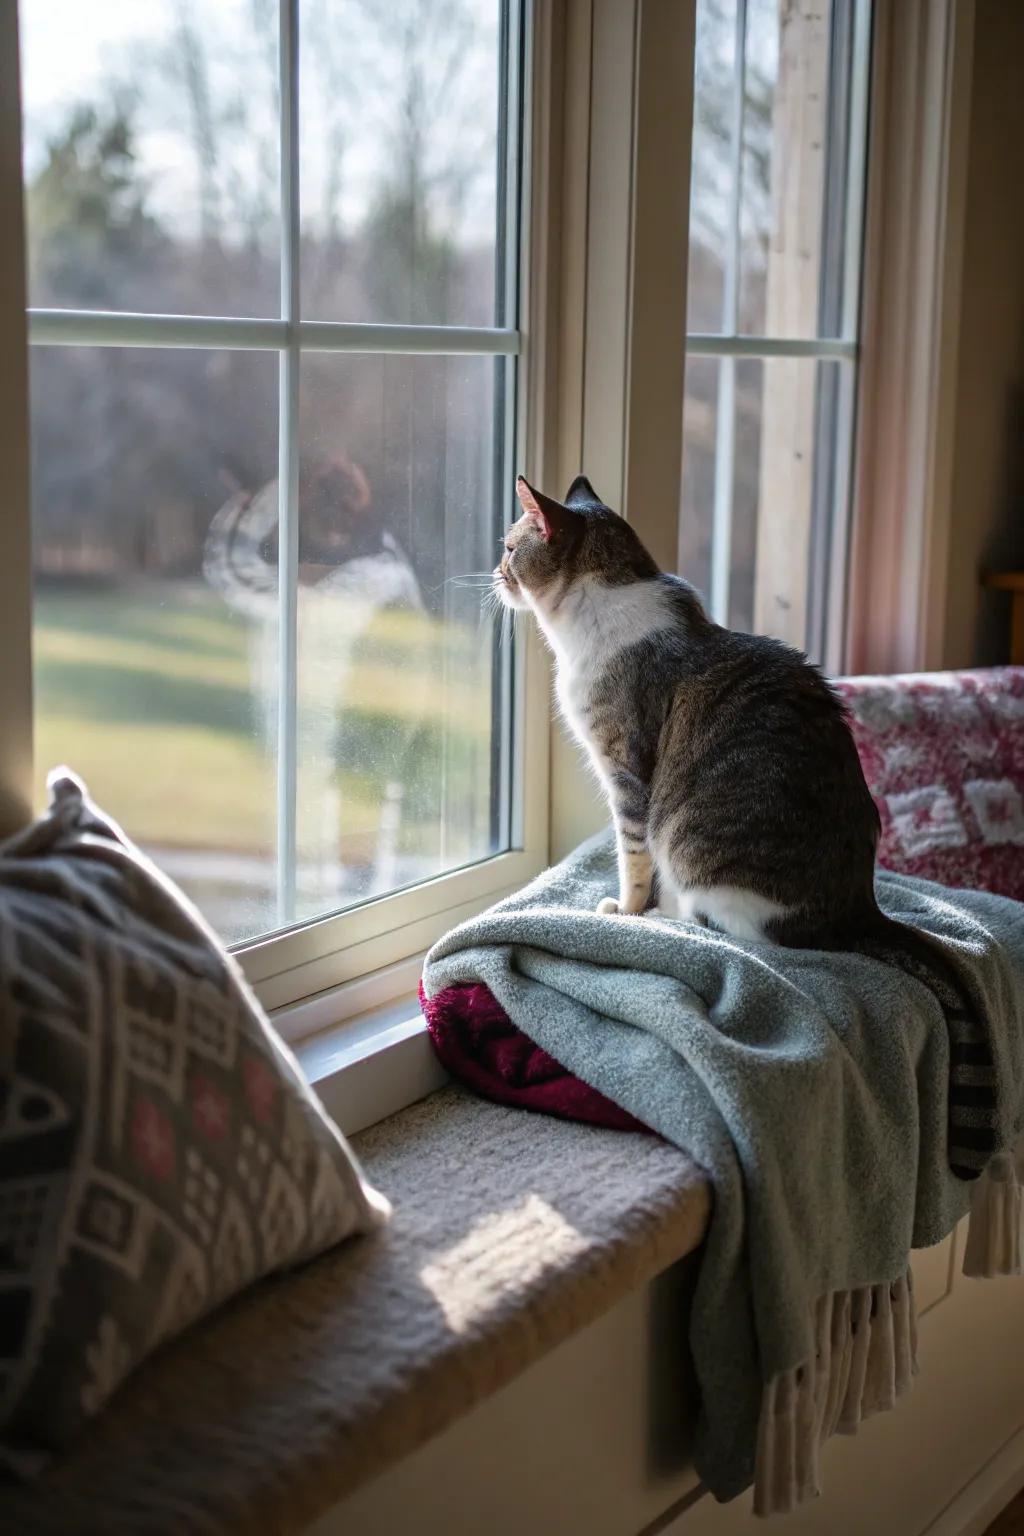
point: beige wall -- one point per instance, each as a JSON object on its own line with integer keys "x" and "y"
{"x": 987, "y": 529}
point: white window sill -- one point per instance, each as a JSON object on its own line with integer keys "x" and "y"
{"x": 369, "y": 1065}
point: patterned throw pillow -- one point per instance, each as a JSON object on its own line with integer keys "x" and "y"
{"x": 159, "y": 1148}
{"x": 943, "y": 754}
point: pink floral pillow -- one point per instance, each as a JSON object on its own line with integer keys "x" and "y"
{"x": 943, "y": 754}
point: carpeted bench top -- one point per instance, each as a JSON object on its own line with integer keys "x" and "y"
{"x": 510, "y": 1232}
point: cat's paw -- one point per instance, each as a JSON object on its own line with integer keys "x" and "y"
{"x": 607, "y": 906}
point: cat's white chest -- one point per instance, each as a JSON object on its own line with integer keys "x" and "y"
{"x": 591, "y": 629}
{"x": 574, "y": 688}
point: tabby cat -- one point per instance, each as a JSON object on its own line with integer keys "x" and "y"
{"x": 736, "y": 791}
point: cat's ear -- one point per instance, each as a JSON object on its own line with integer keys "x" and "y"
{"x": 582, "y": 493}
{"x": 550, "y": 515}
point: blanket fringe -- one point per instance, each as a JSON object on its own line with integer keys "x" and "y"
{"x": 866, "y": 1349}
{"x": 865, "y": 1355}
{"x": 994, "y": 1237}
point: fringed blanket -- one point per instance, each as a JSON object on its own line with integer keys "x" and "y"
{"x": 814, "y": 1090}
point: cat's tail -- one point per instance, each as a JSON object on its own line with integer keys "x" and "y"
{"x": 973, "y": 1109}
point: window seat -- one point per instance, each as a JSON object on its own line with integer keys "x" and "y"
{"x": 511, "y": 1231}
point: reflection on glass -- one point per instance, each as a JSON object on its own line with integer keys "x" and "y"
{"x": 150, "y": 649}
{"x": 794, "y": 143}
{"x": 151, "y": 155}
{"x": 780, "y": 497}
{"x": 696, "y": 523}
{"x": 400, "y": 159}
{"x": 396, "y": 703}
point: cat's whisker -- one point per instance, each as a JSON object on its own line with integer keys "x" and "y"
{"x": 491, "y": 597}
{"x": 472, "y": 579}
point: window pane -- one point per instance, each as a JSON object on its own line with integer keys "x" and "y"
{"x": 397, "y": 704}
{"x": 401, "y": 159}
{"x": 151, "y": 155}
{"x": 778, "y": 488}
{"x": 787, "y": 209}
{"x": 154, "y": 673}
{"x": 711, "y": 168}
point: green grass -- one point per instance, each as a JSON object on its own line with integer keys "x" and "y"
{"x": 149, "y": 693}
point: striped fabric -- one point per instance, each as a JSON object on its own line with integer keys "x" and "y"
{"x": 973, "y": 1112}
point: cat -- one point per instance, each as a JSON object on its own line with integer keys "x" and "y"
{"x": 737, "y": 796}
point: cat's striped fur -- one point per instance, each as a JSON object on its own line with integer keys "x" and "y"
{"x": 735, "y": 788}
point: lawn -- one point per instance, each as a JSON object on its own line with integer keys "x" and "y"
{"x": 152, "y": 694}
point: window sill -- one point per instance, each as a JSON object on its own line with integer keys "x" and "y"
{"x": 511, "y": 1232}
{"x": 364, "y": 1045}
{"x": 372, "y": 1065}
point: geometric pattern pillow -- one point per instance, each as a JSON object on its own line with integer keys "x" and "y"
{"x": 943, "y": 754}
{"x": 159, "y": 1147}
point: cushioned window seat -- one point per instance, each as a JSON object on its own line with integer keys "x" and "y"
{"x": 511, "y": 1231}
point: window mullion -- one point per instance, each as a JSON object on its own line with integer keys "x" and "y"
{"x": 725, "y": 415}
{"x": 112, "y": 328}
{"x": 657, "y": 186}
{"x": 702, "y": 345}
{"x": 860, "y": 74}
{"x": 288, "y": 470}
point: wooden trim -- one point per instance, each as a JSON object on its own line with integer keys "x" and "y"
{"x": 573, "y": 804}
{"x": 624, "y": 212}
{"x": 637, "y": 237}
{"x": 1006, "y": 581}
{"x": 907, "y": 388}
{"x": 656, "y": 353}
{"x": 543, "y": 309}
{"x": 15, "y": 507}
{"x": 610, "y": 181}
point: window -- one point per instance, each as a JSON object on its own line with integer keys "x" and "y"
{"x": 273, "y": 266}
{"x": 774, "y": 276}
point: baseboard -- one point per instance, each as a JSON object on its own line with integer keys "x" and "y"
{"x": 986, "y": 1495}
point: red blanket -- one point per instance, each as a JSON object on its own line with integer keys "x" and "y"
{"x": 480, "y": 1046}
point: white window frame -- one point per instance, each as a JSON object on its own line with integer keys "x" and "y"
{"x": 335, "y": 950}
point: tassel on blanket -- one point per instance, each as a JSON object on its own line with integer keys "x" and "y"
{"x": 994, "y": 1238}
{"x": 866, "y": 1348}
{"x": 865, "y": 1357}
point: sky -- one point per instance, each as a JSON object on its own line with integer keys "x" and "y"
{"x": 71, "y": 49}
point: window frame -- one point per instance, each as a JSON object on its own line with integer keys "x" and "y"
{"x": 826, "y": 598}
{"x": 337, "y": 949}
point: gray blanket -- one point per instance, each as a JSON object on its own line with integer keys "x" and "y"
{"x": 812, "y": 1088}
